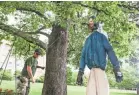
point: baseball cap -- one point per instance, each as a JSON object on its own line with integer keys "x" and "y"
{"x": 38, "y": 51}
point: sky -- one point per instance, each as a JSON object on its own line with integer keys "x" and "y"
{"x": 13, "y": 21}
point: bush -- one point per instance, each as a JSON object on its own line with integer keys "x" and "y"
{"x": 7, "y": 75}
{"x": 130, "y": 79}
{"x": 17, "y": 73}
{"x": 74, "y": 78}
{"x": 69, "y": 76}
{"x": 85, "y": 81}
{"x": 40, "y": 80}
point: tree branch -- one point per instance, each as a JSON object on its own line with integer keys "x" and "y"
{"x": 34, "y": 11}
{"x": 39, "y": 32}
{"x": 91, "y": 7}
{"x": 43, "y": 27}
{"x": 39, "y": 14}
{"x": 24, "y": 35}
{"x": 128, "y": 7}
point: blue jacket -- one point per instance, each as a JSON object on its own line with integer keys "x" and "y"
{"x": 94, "y": 52}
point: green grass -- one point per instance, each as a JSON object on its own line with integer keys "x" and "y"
{"x": 36, "y": 89}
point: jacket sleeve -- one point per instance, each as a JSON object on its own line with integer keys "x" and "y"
{"x": 111, "y": 53}
{"x": 82, "y": 59}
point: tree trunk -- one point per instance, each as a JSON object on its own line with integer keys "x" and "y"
{"x": 55, "y": 74}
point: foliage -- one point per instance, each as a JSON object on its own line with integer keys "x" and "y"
{"x": 17, "y": 73}
{"x": 30, "y": 16}
{"x": 69, "y": 75}
{"x": 40, "y": 79}
{"x": 130, "y": 79}
{"x": 74, "y": 78}
{"x": 133, "y": 59}
{"x": 6, "y": 76}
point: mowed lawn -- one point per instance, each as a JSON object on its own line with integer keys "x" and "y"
{"x": 36, "y": 89}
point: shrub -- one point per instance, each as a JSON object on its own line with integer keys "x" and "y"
{"x": 17, "y": 73}
{"x": 7, "y": 75}
{"x": 40, "y": 80}
{"x": 130, "y": 79}
{"x": 69, "y": 76}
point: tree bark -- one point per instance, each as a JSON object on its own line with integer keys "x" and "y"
{"x": 55, "y": 74}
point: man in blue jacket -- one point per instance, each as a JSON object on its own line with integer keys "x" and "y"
{"x": 94, "y": 56}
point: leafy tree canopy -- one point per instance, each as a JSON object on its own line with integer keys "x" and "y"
{"x": 32, "y": 17}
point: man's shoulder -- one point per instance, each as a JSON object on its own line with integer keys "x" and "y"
{"x": 95, "y": 34}
{"x": 102, "y": 34}
{"x": 29, "y": 58}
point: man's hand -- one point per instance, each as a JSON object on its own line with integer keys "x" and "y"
{"x": 29, "y": 70}
{"x": 118, "y": 75}
{"x": 33, "y": 80}
{"x": 80, "y": 78}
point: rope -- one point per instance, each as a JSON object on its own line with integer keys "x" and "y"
{"x": 7, "y": 59}
{"x": 51, "y": 45}
{"x": 5, "y": 67}
{"x": 54, "y": 41}
{"x": 15, "y": 73}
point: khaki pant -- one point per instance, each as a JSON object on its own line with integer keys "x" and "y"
{"x": 22, "y": 86}
{"x": 97, "y": 83}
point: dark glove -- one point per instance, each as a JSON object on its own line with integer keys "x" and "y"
{"x": 118, "y": 75}
{"x": 80, "y": 78}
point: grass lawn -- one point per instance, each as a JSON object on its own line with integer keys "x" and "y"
{"x": 72, "y": 90}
